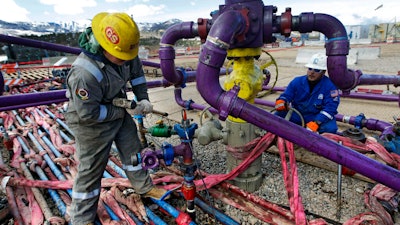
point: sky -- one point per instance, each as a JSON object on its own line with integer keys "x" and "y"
{"x": 349, "y": 12}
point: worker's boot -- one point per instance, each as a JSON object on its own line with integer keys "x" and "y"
{"x": 156, "y": 193}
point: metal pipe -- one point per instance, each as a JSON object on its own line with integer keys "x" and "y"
{"x": 25, "y": 99}
{"x": 38, "y": 44}
{"x": 375, "y": 79}
{"x": 339, "y": 191}
{"x": 368, "y": 96}
{"x": 167, "y": 51}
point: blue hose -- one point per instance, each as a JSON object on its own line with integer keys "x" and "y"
{"x": 169, "y": 208}
{"x": 59, "y": 121}
{"x": 225, "y": 219}
{"x": 157, "y": 220}
{"x": 53, "y": 194}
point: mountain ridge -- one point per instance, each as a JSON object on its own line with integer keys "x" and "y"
{"x": 43, "y": 28}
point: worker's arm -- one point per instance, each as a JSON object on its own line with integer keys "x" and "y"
{"x": 87, "y": 95}
{"x": 138, "y": 80}
{"x": 288, "y": 94}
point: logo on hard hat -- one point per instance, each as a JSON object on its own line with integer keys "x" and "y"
{"x": 315, "y": 61}
{"x": 111, "y": 35}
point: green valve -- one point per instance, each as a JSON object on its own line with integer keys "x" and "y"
{"x": 161, "y": 130}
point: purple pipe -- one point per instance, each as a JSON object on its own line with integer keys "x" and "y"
{"x": 379, "y": 97}
{"x": 38, "y": 44}
{"x": 188, "y": 104}
{"x": 212, "y": 58}
{"x": 1, "y": 83}
{"x": 167, "y": 51}
{"x": 371, "y": 79}
{"x": 337, "y": 47}
{"x": 21, "y": 99}
{"x": 151, "y": 64}
{"x": 370, "y": 124}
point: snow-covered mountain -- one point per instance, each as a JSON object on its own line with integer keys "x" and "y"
{"x": 27, "y": 28}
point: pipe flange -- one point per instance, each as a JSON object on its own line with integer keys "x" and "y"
{"x": 227, "y": 102}
{"x": 202, "y": 29}
{"x": 286, "y": 22}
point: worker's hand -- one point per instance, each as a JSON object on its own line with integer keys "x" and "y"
{"x": 312, "y": 126}
{"x": 124, "y": 103}
{"x": 281, "y": 105}
{"x": 143, "y": 107}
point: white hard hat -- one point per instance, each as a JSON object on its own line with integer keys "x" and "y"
{"x": 317, "y": 61}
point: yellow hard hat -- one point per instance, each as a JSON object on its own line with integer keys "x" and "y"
{"x": 117, "y": 33}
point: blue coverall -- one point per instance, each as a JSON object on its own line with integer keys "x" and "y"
{"x": 319, "y": 105}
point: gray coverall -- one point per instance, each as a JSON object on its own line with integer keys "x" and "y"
{"x": 96, "y": 123}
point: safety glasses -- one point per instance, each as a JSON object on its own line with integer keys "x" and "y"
{"x": 315, "y": 70}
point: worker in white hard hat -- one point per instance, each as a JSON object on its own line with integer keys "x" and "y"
{"x": 314, "y": 96}
{"x": 109, "y": 60}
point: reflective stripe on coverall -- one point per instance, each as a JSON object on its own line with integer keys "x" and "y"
{"x": 320, "y": 105}
{"x": 96, "y": 123}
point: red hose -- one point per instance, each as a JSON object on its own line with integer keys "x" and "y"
{"x": 291, "y": 181}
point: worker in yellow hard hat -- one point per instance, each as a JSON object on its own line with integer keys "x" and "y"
{"x": 109, "y": 60}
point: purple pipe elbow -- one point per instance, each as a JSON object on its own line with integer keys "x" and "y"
{"x": 345, "y": 79}
{"x": 184, "y": 150}
{"x": 337, "y": 47}
{"x": 167, "y": 51}
{"x": 188, "y": 104}
{"x": 211, "y": 59}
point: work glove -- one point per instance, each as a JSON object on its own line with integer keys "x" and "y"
{"x": 312, "y": 126}
{"x": 281, "y": 105}
{"x": 124, "y": 103}
{"x": 143, "y": 107}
